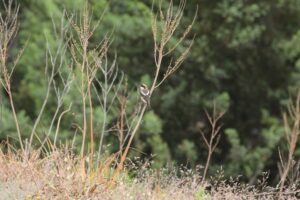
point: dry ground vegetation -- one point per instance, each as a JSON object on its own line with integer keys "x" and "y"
{"x": 51, "y": 171}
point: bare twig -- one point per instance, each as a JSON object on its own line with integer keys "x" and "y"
{"x": 162, "y": 34}
{"x": 213, "y": 139}
{"x": 58, "y": 122}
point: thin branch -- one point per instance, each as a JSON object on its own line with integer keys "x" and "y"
{"x": 58, "y": 122}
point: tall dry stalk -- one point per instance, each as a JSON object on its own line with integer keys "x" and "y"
{"x": 79, "y": 52}
{"x": 213, "y": 139}
{"x": 109, "y": 75}
{"x": 8, "y": 31}
{"x": 292, "y": 136}
{"x": 163, "y": 31}
{"x": 96, "y": 71}
{"x": 121, "y": 124}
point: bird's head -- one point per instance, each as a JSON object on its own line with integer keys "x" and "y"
{"x": 144, "y": 87}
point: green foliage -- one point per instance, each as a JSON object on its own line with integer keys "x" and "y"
{"x": 251, "y": 160}
{"x": 7, "y": 125}
{"x": 146, "y": 79}
{"x": 160, "y": 151}
{"x": 152, "y": 123}
{"x": 200, "y": 194}
{"x": 187, "y": 151}
{"x": 240, "y": 22}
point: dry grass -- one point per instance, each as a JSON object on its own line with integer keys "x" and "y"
{"x": 55, "y": 177}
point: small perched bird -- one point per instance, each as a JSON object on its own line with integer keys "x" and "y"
{"x": 145, "y": 94}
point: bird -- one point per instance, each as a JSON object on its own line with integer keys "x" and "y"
{"x": 145, "y": 94}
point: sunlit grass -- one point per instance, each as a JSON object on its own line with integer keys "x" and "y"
{"x": 56, "y": 176}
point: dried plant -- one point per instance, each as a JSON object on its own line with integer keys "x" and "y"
{"x": 292, "y": 136}
{"x": 56, "y": 60}
{"x": 212, "y": 140}
{"x": 90, "y": 61}
{"x": 121, "y": 124}
{"x": 110, "y": 85}
{"x": 8, "y": 31}
{"x": 163, "y": 30}
{"x": 55, "y": 177}
{"x": 99, "y": 77}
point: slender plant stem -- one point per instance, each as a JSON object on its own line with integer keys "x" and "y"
{"x": 104, "y": 113}
{"x": 91, "y": 125}
{"x": 158, "y": 66}
{"x": 83, "y": 95}
{"x": 41, "y": 111}
{"x": 15, "y": 119}
{"x": 58, "y": 123}
{"x": 207, "y": 165}
{"x": 136, "y": 128}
